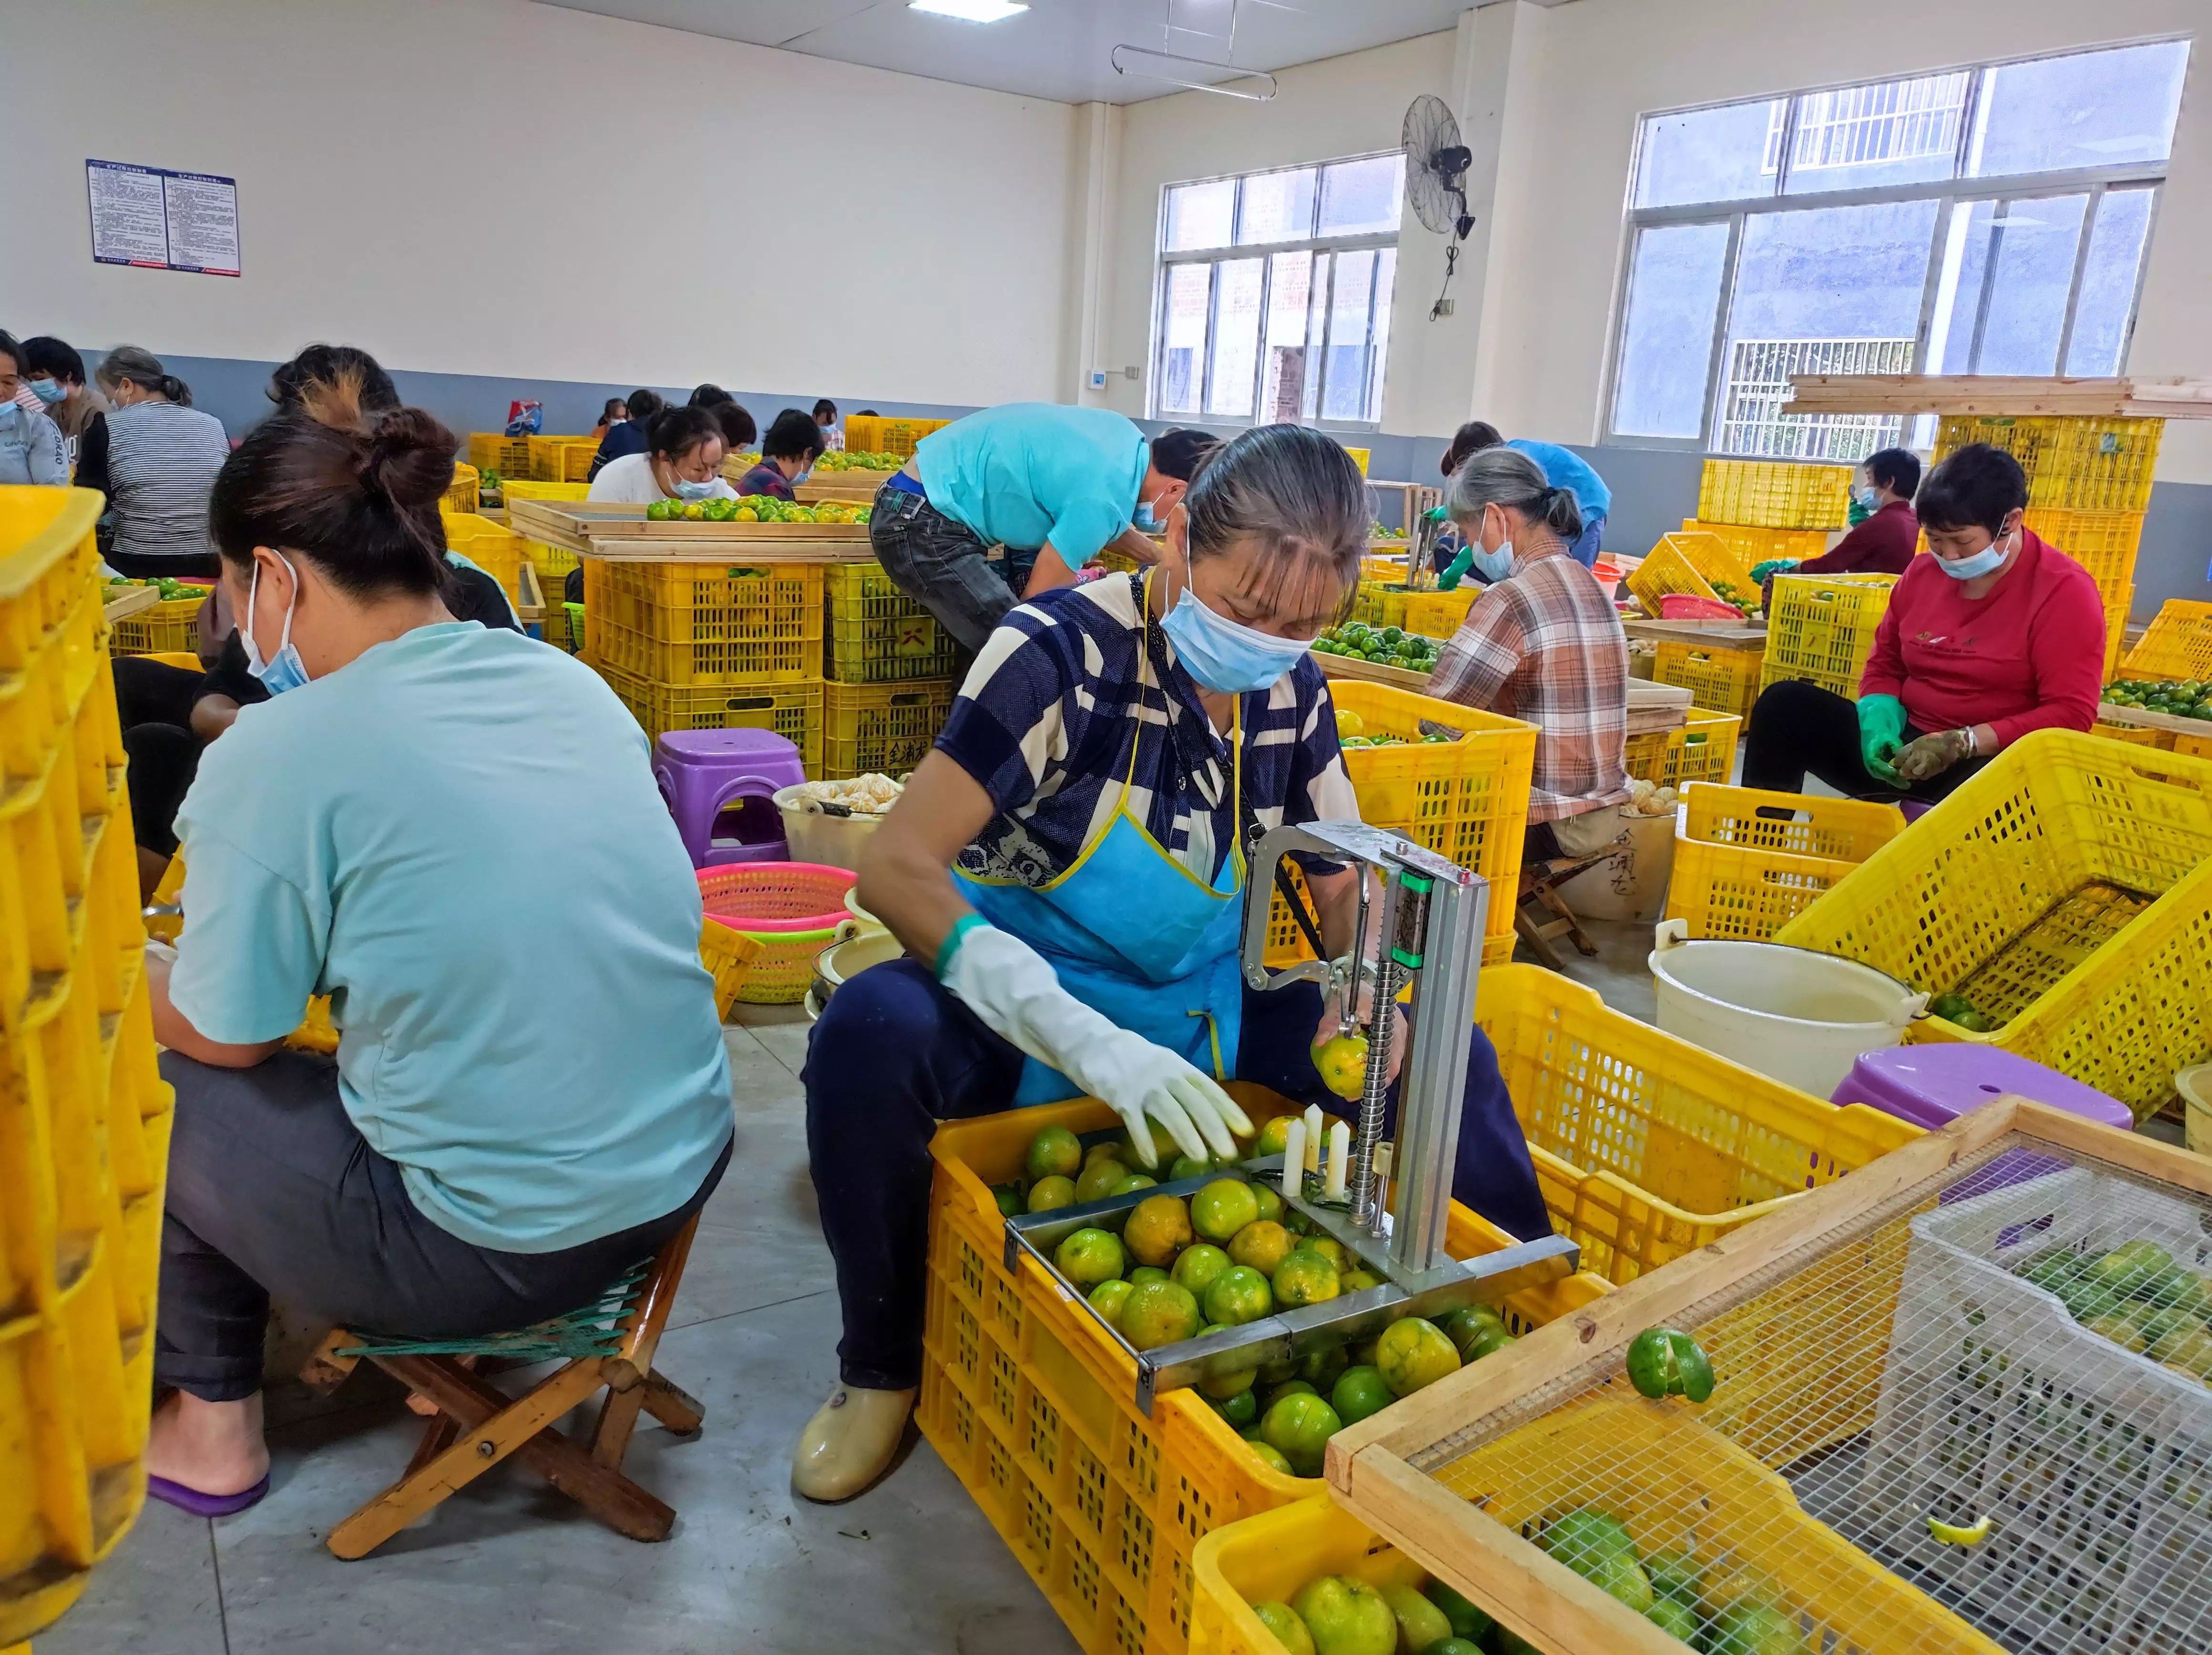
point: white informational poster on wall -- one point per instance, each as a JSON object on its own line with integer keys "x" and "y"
{"x": 160, "y": 220}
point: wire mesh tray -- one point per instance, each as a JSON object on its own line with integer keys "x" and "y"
{"x": 1887, "y": 1361}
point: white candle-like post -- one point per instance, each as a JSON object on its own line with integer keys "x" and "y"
{"x": 1312, "y": 1124}
{"x": 1294, "y": 1157}
{"x": 1339, "y": 1159}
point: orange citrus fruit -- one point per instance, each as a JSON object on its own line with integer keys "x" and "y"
{"x": 1158, "y": 1227}
{"x": 1412, "y": 1353}
{"x": 1048, "y": 1193}
{"x": 1261, "y": 1244}
{"x": 1304, "y": 1278}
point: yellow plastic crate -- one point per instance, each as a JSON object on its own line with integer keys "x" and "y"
{"x": 728, "y": 956}
{"x": 1703, "y": 749}
{"x": 465, "y": 492}
{"x": 1718, "y": 680}
{"x": 882, "y": 434}
{"x": 1033, "y": 1408}
{"x": 875, "y": 633}
{"x": 2102, "y": 542}
{"x": 2179, "y": 644}
{"x": 492, "y": 547}
{"x": 1360, "y": 457}
{"x": 552, "y": 564}
{"x": 1693, "y": 566}
{"x": 1439, "y": 614}
{"x": 1268, "y": 1558}
{"x": 562, "y": 459}
{"x": 1774, "y": 493}
{"x": 1115, "y": 561}
{"x": 1379, "y": 606}
{"x": 2067, "y": 888}
{"x": 523, "y": 487}
{"x": 1751, "y": 545}
{"x": 1821, "y": 628}
{"x": 885, "y": 728}
{"x": 84, "y": 1136}
{"x": 171, "y": 627}
{"x": 1743, "y": 875}
{"x": 2162, "y": 741}
{"x": 490, "y": 451}
{"x": 701, "y": 624}
{"x": 791, "y": 710}
{"x": 2115, "y": 631}
{"x": 2084, "y": 465}
{"x": 1647, "y": 1147}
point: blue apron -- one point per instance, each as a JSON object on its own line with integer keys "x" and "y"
{"x": 1136, "y": 936}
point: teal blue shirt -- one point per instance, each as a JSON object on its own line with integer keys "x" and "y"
{"x": 1025, "y": 473}
{"x": 542, "y": 1061}
{"x": 1565, "y": 468}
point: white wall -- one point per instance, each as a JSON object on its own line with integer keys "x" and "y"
{"x": 1549, "y": 99}
{"x": 495, "y": 187}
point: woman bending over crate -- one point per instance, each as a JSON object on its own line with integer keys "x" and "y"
{"x": 474, "y": 1160}
{"x": 1067, "y": 871}
{"x": 1995, "y": 635}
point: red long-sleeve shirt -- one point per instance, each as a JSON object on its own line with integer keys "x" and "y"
{"x": 1883, "y": 544}
{"x": 2029, "y": 656}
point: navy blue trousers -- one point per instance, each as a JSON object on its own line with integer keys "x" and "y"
{"x": 894, "y": 1054}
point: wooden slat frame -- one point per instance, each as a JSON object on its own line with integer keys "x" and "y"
{"x": 1995, "y": 393}
{"x": 1370, "y": 1468}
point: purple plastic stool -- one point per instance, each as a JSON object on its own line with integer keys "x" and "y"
{"x": 1933, "y": 1085}
{"x": 706, "y": 773}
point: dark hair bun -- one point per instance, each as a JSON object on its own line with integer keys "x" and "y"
{"x": 409, "y": 456}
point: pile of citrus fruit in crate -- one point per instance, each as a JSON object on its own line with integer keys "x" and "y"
{"x": 754, "y": 508}
{"x": 1389, "y": 647}
{"x": 1179, "y": 1268}
{"x": 2186, "y": 699}
{"x": 856, "y": 460}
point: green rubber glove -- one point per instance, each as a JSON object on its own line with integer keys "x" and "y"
{"x": 1881, "y": 731}
{"x": 1449, "y": 580}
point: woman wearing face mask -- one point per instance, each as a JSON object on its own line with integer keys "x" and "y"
{"x": 788, "y": 452}
{"x": 31, "y": 448}
{"x": 1995, "y": 634}
{"x": 685, "y": 464}
{"x": 57, "y": 378}
{"x": 473, "y": 1159}
{"x": 1544, "y": 644}
{"x": 1067, "y": 871}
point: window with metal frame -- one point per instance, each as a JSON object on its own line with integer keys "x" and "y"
{"x": 1988, "y": 220}
{"x": 1272, "y": 301}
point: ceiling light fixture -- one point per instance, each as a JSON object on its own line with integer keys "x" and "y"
{"x": 1151, "y": 66}
{"x": 971, "y": 11}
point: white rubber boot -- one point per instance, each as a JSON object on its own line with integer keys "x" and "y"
{"x": 849, "y": 1443}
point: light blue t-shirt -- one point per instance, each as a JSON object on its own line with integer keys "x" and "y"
{"x": 1565, "y": 468}
{"x": 1025, "y": 473}
{"x": 544, "y": 1064}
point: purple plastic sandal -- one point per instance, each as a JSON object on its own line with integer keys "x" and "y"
{"x": 200, "y": 1505}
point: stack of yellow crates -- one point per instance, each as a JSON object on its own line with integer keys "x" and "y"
{"x": 84, "y": 1116}
{"x": 889, "y": 670}
{"x": 870, "y": 433}
{"x": 492, "y": 451}
{"x": 2088, "y": 485}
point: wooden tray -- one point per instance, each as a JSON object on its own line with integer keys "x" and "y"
{"x": 1712, "y": 634}
{"x": 2141, "y": 717}
{"x": 1371, "y": 1466}
{"x": 128, "y": 601}
{"x": 1374, "y": 672}
{"x": 603, "y": 529}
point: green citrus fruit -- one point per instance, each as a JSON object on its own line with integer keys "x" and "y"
{"x": 1300, "y": 1426}
{"x": 1304, "y": 1277}
{"x": 1097, "y": 1181}
{"x": 1109, "y": 1151}
{"x": 1274, "y": 1135}
{"x": 1260, "y": 1243}
{"x": 1240, "y": 1410}
{"x": 1108, "y": 1297}
{"x": 1346, "y": 1617}
{"x": 1010, "y": 1198}
{"x": 1237, "y": 1295}
{"x": 1621, "y": 1577}
{"x": 1269, "y": 1456}
{"x": 1753, "y": 1629}
{"x": 1223, "y": 1207}
{"x": 1048, "y": 1193}
{"x": 1055, "y": 1153}
{"x": 1283, "y": 1621}
{"x": 1321, "y": 1368}
{"x": 1453, "y": 1646}
{"x": 1158, "y": 1228}
{"x": 1185, "y": 1167}
{"x": 1090, "y": 1256}
{"x": 1144, "y": 1275}
{"x": 1159, "y": 1313}
{"x": 1583, "y": 1539}
{"x": 1235, "y": 1383}
{"x": 1163, "y": 1146}
{"x": 1412, "y": 1353}
{"x": 1288, "y": 1388}
{"x": 1329, "y": 1248}
{"x": 1197, "y": 1266}
{"x": 1353, "y": 1280}
{"x": 1134, "y": 1182}
{"x": 1673, "y": 1574}
{"x": 1468, "y": 1622}
{"x": 1677, "y": 1620}
{"x": 1271, "y": 1203}
{"x": 1465, "y": 1325}
{"x": 1421, "y": 1624}
{"x": 1359, "y": 1392}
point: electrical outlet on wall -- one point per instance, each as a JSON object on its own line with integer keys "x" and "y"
{"x": 1445, "y": 306}
{"x": 1098, "y": 378}
{"x": 1133, "y": 373}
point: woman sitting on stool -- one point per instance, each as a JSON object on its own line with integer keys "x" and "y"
{"x": 1994, "y": 635}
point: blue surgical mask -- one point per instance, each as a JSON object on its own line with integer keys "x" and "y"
{"x": 802, "y": 476}
{"x": 1145, "y": 522}
{"x": 687, "y": 489}
{"x": 1864, "y": 495}
{"x": 1988, "y": 560}
{"x": 48, "y": 391}
{"x": 1493, "y": 567}
{"x": 1225, "y": 655}
{"x": 285, "y": 670}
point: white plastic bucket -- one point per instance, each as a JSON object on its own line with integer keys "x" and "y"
{"x": 1801, "y": 1017}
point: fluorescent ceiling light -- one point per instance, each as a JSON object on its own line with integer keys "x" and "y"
{"x": 1194, "y": 73}
{"x": 971, "y": 11}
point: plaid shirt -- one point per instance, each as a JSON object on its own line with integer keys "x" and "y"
{"x": 1546, "y": 645}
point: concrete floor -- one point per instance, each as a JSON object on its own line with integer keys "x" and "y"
{"x": 507, "y": 1565}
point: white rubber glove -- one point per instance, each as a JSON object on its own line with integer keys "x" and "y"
{"x": 1012, "y": 988}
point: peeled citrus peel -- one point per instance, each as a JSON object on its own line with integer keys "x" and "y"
{"x": 1952, "y": 1535}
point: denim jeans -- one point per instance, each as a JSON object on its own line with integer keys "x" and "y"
{"x": 946, "y": 567}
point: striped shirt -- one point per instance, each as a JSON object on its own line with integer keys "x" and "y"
{"x": 1045, "y": 720}
{"x": 162, "y": 458}
{"x": 1544, "y": 646}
